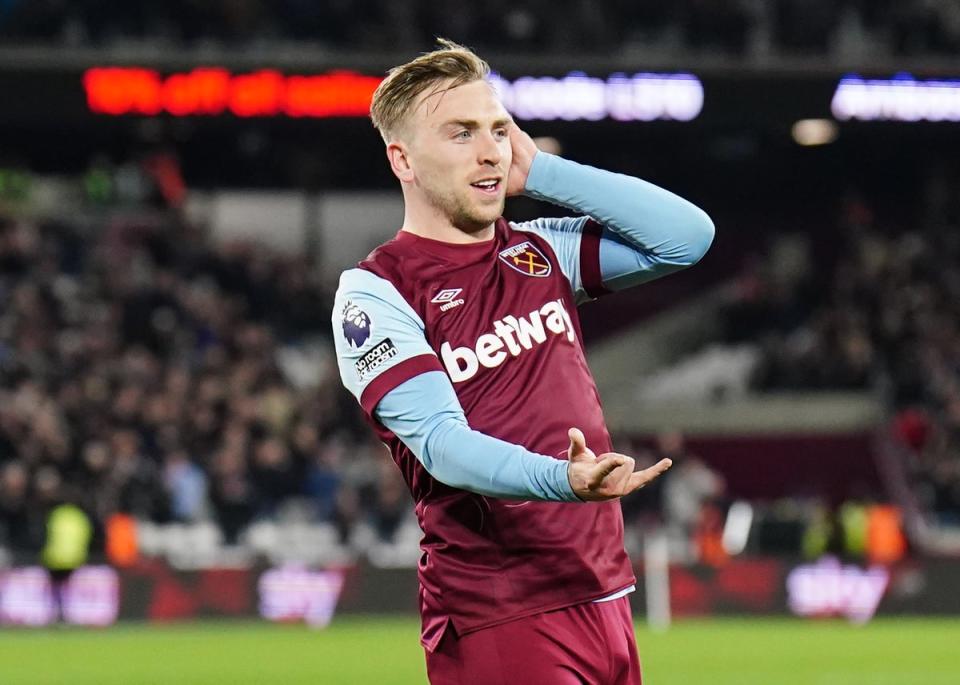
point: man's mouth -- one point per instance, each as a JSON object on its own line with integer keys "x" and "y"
{"x": 488, "y": 186}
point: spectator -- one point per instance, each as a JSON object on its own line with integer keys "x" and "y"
{"x": 67, "y": 545}
{"x": 14, "y": 507}
{"x": 274, "y": 474}
{"x": 393, "y": 503}
{"x": 232, "y": 494}
{"x": 186, "y": 487}
{"x": 324, "y": 479}
{"x": 688, "y": 487}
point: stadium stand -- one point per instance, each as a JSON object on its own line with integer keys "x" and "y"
{"x": 907, "y": 27}
{"x": 147, "y": 370}
{"x": 883, "y": 318}
{"x": 141, "y": 372}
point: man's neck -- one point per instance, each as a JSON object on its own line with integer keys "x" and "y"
{"x": 438, "y": 227}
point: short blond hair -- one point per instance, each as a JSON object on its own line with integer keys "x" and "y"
{"x": 397, "y": 93}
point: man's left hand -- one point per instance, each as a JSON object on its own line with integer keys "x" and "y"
{"x": 524, "y": 150}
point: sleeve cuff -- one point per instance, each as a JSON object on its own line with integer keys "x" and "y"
{"x": 590, "y": 274}
{"x": 563, "y": 484}
{"x": 394, "y": 376}
{"x": 538, "y": 178}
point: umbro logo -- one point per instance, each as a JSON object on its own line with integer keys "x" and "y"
{"x": 446, "y": 295}
{"x": 447, "y": 299}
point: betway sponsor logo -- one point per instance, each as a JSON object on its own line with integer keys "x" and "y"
{"x": 511, "y": 335}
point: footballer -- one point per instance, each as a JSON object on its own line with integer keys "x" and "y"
{"x": 460, "y": 339}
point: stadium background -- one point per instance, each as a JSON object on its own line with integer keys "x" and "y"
{"x": 181, "y": 184}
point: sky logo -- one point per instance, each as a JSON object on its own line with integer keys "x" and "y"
{"x": 829, "y": 589}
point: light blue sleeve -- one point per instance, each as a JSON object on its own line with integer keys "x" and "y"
{"x": 426, "y": 415}
{"x": 374, "y": 330}
{"x": 648, "y": 232}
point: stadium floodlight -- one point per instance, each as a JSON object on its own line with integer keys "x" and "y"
{"x": 813, "y": 132}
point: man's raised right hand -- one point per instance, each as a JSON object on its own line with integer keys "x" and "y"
{"x": 609, "y": 476}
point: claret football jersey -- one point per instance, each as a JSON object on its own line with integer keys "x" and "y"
{"x": 499, "y": 318}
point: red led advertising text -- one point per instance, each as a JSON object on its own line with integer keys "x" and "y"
{"x": 210, "y": 91}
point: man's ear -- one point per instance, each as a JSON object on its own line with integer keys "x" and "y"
{"x": 398, "y": 154}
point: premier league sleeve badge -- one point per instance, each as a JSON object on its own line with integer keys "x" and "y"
{"x": 356, "y": 325}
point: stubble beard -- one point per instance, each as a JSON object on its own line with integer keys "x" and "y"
{"x": 458, "y": 209}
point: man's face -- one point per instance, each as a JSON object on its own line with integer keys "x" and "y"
{"x": 458, "y": 141}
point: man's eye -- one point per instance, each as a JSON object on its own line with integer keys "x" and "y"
{"x": 463, "y": 135}
{"x": 500, "y": 133}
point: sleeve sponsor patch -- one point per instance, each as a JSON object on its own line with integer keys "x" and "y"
{"x": 375, "y": 357}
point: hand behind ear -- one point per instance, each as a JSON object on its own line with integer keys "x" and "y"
{"x": 524, "y": 150}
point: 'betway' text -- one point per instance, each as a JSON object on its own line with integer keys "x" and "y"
{"x": 511, "y": 335}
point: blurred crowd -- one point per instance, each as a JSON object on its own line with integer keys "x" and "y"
{"x": 903, "y": 27}
{"x": 145, "y": 371}
{"x": 149, "y": 373}
{"x": 881, "y": 312}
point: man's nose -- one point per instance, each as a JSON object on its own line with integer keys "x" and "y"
{"x": 489, "y": 150}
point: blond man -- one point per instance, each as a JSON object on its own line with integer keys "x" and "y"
{"x": 460, "y": 339}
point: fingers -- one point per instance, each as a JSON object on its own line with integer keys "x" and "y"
{"x": 578, "y": 444}
{"x": 604, "y": 468}
{"x": 611, "y": 474}
{"x": 641, "y": 478}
